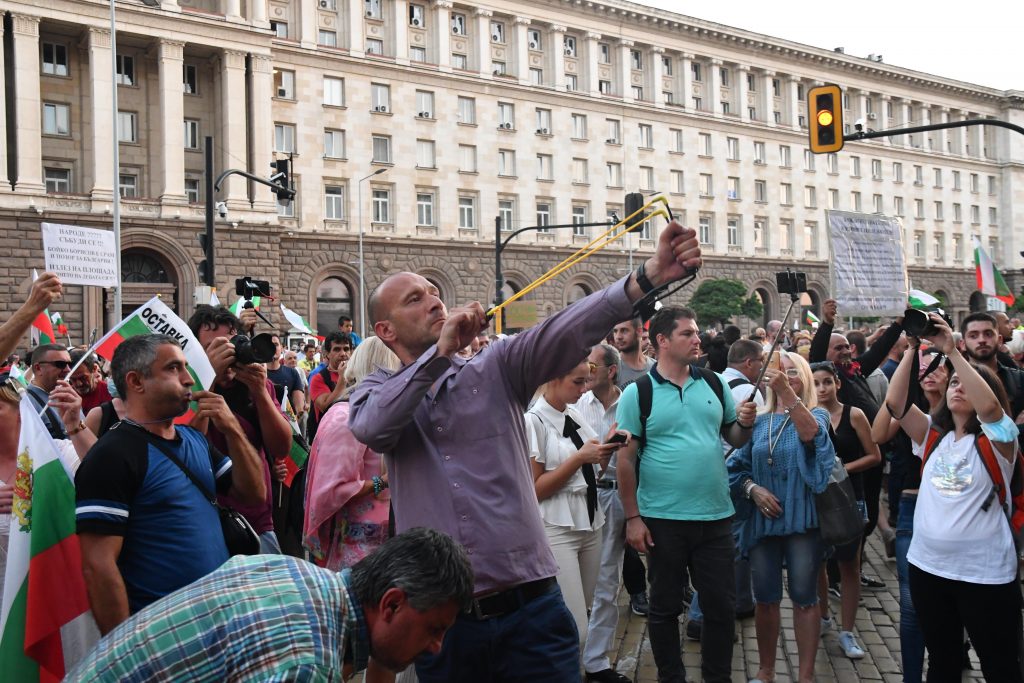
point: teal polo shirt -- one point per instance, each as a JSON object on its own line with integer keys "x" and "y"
{"x": 682, "y": 470}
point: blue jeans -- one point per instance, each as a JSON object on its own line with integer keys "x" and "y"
{"x": 744, "y": 589}
{"x": 911, "y": 638}
{"x": 801, "y": 554}
{"x": 537, "y": 642}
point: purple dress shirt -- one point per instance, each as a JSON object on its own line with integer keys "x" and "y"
{"x": 454, "y": 440}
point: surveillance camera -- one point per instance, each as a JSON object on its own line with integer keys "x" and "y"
{"x": 222, "y": 209}
{"x": 859, "y": 124}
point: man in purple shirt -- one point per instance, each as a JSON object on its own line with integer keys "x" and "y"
{"x": 452, "y": 433}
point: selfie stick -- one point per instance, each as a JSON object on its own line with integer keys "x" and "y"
{"x": 795, "y": 296}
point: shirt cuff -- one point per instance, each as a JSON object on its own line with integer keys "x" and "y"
{"x": 1004, "y": 431}
{"x": 434, "y": 366}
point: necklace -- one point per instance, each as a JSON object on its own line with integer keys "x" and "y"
{"x": 773, "y": 443}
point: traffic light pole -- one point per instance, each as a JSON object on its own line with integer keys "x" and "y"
{"x": 208, "y": 247}
{"x": 867, "y": 135}
{"x": 287, "y": 191}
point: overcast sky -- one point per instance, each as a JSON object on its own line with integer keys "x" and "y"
{"x": 979, "y": 42}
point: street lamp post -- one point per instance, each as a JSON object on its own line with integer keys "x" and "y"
{"x": 362, "y": 272}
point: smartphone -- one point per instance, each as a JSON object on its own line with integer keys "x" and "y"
{"x": 617, "y": 437}
{"x": 775, "y": 362}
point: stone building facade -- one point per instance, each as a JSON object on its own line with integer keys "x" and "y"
{"x": 423, "y": 121}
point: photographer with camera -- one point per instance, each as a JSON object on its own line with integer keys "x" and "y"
{"x": 242, "y": 381}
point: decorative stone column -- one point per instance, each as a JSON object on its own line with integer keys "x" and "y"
{"x": 232, "y": 138}
{"x": 307, "y": 24}
{"x": 556, "y": 64}
{"x": 356, "y": 28}
{"x": 261, "y": 84}
{"x": 482, "y": 57}
{"x": 27, "y": 103}
{"x": 233, "y": 10}
{"x": 400, "y": 30}
{"x": 686, "y": 64}
{"x": 769, "y": 97}
{"x": 626, "y": 69}
{"x": 742, "y": 92}
{"x": 98, "y": 146}
{"x": 520, "y": 49}
{"x": 443, "y": 34}
{"x": 654, "y": 81}
{"x": 793, "y": 95}
{"x": 170, "y": 154}
{"x": 592, "y": 66}
{"x": 4, "y": 181}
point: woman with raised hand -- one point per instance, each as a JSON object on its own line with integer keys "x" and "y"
{"x": 787, "y": 460}
{"x": 962, "y": 563}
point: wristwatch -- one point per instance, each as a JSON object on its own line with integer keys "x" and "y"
{"x": 646, "y": 286}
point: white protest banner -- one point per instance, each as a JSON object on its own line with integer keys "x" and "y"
{"x": 80, "y": 256}
{"x": 867, "y": 268}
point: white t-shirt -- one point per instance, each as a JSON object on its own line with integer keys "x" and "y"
{"x": 953, "y": 536}
{"x": 568, "y": 506}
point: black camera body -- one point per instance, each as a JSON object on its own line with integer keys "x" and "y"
{"x": 916, "y": 323}
{"x": 257, "y": 349}
{"x": 248, "y": 288}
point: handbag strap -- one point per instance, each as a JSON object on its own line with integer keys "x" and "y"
{"x": 152, "y": 440}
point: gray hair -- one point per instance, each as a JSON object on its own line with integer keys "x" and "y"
{"x": 611, "y": 354}
{"x": 136, "y": 354}
{"x": 427, "y": 565}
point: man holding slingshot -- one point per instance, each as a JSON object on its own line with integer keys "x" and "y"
{"x": 452, "y": 433}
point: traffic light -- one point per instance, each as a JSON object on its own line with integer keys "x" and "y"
{"x": 205, "y": 266}
{"x": 634, "y": 200}
{"x": 825, "y": 109}
{"x": 281, "y": 177}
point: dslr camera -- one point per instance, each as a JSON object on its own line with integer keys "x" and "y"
{"x": 259, "y": 348}
{"x": 916, "y": 323}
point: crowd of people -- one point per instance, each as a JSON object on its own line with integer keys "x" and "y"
{"x": 473, "y": 504}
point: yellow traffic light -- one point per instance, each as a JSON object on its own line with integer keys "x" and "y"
{"x": 825, "y": 111}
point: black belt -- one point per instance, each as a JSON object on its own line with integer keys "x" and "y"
{"x": 509, "y": 600}
{"x": 602, "y": 484}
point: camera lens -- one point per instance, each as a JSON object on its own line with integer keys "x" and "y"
{"x": 915, "y": 322}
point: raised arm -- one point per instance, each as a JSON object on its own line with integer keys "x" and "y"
{"x": 879, "y": 351}
{"x": 914, "y": 422}
{"x": 819, "y": 345}
{"x": 43, "y": 292}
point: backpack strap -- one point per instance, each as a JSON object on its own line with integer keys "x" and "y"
{"x": 645, "y": 399}
{"x": 738, "y": 382}
{"x": 714, "y": 381}
{"x": 988, "y": 456}
{"x": 931, "y": 440}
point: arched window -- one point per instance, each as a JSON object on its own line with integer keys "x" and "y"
{"x": 138, "y": 266}
{"x": 333, "y": 299}
{"x": 577, "y": 292}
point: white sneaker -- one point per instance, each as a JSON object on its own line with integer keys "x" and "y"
{"x": 848, "y": 642}
{"x": 827, "y": 624}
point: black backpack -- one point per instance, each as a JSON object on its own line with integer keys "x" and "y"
{"x": 312, "y": 419}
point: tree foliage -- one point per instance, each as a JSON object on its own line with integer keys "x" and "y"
{"x": 717, "y": 301}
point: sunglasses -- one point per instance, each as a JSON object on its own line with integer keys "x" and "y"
{"x": 59, "y": 364}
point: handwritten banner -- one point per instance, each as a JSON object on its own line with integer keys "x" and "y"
{"x": 867, "y": 268}
{"x": 80, "y": 256}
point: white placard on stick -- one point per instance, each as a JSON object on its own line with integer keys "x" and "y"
{"x": 867, "y": 269}
{"x": 80, "y": 256}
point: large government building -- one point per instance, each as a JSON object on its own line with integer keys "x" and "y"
{"x": 425, "y": 122}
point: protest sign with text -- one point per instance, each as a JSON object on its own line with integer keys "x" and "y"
{"x": 867, "y": 267}
{"x": 80, "y": 256}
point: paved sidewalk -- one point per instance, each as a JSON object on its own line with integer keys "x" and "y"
{"x": 877, "y": 628}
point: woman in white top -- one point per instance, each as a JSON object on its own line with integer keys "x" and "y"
{"x": 562, "y": 449}
{"x": 963, "y": 566}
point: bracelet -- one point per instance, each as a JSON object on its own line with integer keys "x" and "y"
{"x": 799, "y": 402}
{"x": 80, "y": 428}
{"x": 748, "y": 487}
{"x": 378, "y": 485}
{"x": 646, "y": 286}
{"x": 633, "y": 517}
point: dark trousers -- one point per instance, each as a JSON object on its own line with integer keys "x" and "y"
{"x": 707, "y": 551}
{"x": 872, "y": 491}
{"x": 537, "y": 642}
{"x": 990, "y": 613}
{"x": 634, "y": 574}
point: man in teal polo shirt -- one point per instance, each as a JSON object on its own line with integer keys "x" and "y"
{"x": 680, "y": 515}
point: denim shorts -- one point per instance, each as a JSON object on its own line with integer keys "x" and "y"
{"x": 801, "y": 554}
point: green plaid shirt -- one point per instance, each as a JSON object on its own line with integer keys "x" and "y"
{"x": 258, "y": 618}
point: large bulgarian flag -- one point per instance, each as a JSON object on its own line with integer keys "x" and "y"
{"x": 45, "y": 622}
{"x": 299, "y": 453}
{"x": 42, "y": 327}
{"x": 990, "y": 280}
{"x": 155, "y": 317}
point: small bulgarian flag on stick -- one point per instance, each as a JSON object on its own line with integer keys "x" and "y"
{"x": 296, "y": 320}
{"x": 155, "y": 317}
{"x": 299, "y": 453}
{"x": 811, "y": 318}
{"x": 990, "y": 280}
{"x": 922, "y": 300}
{"x": 237, "y": 307}
{"x": 42, "y": 327}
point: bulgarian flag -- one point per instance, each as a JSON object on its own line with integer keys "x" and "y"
{"x": 922, "y": 300}
{"x": 990, "y": 280}
{"x": 45, "y": 622}
{"x": 58, "y": 322}
{"x": 42, "y": 326}
{"x": 811, "y": 318}
{"x": 237, "y": 307}
{"x": 296, "y": 320}
{"x": 155, "y": 317}
{"x": 299, "y": 453}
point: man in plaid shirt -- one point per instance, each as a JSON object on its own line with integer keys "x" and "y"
{"x": 276, "y": 618}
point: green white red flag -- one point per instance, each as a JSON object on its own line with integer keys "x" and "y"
{"x": 45, "y": 622}
{"x": 990, "y": 280}
{"x": 299, "y": 453}
{"x": 296, "y": 320}
{"x": 237, "y": 307}
{"x": 922, "y": 300}
{"x": 155, "y": 317}
{"x": 58, "y": 323}
{"x": 42, "y": 327}
{"x": 811, "y": 318}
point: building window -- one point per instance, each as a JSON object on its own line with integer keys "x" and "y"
{"x": 751, "y": 82}
{"x": 696, "y": 71}
{"x": 732, "y": 232}
{"x": 419, "y": 54}
{"x": 704, "y": 140}
{"x": 991, "y": 184}
{"x": 776, "y": 88}
{"x": 918, "y": 245}
{"x": 569, "y": 45}
{"x": 705, "y": 228}
{"x": 334, "y": 144}
{"x": 698, "y": 104}
{"x": 372, "y": 8}
{"x": 58, "y": 180}
{"x": 897, "y": 172}
{"x": 876, "y": 203}
{"x": 810, "y": 197}
{"x": 467, "y": 110}
{"x": 579, "y": 217}
{"x": 855, "y": 200}
{"x": 760, "y": 234}
{"x": 191, "y": 134}
{"x": 759, "y": 153}
{"x": 676, "y": 136}
{"x": 327, "y": 38}
{"x": 467, "y": 158}
{"x": 785, "y": 156}
{"x": 723, "y": 74}
{"x": 127, "y": 126}
{"x": 467, "y": 212}
{"x": 543, "y": 215}
{"x": 424, "y": 208}
{"x": 646, "y": 177}
{"x": 614, "y": 131}
{"x": 55, "y": 59}
{"x": 537, "y": 76}
{"x": 614, "y": 174}
{"x": 855, "y": 167}
{"x": 833, "y": 199}
{"x": 459, "y": 24}
{"x": 992, "y": 216}
{"x": 938, "y": 211}
{"x": 808, "y": 160}
{"x": 571, "y": 83}
{"x": 125, "y": 70}
{"x": 787, "y": 235}
{"x": 811, "y": 238}
{"x": 533, "y": 40}
{"x": 876, "y": 169}
{"x": 604, "y": 53}
{"x": 497, "y": 32}
{"x": 958, "y": 213}
{"x": 543, "y": 119}
{"x": 506, "y": 213}
{"x": 897, "y": 206}
{"x": 958, "y": 247}
{"x": 974, "y": 182}
{"x": 382, "y": 149}
{"x": 334, "y": 91}
{"x": 279, "y": 29}
{"x": 417, "y": 16}
{"x": 459, "y": 61}
{"x": 425, "y": 104}
{"x": 334, "y": 202}
{"x": 192, "y": 190}
{"x": 128, "y": 185}
{"x": 786, "y": 194}
{"x": 918, "y": 208}
{"x": 918, "y": 175}
{"x": 506, "y": 115}
{"x": 666, "y": 65}
{"x": 725, "y": 107}
{"x": 544, "y": 167}
{"x": 506, "y": 162}
{"x": 286, "y": 209}
{"x": 374, "y": 46}
{"x": 380, "y": 97}
{"x": 636, "y": 60}
{"x": 760, "y": 191}
{"x": 381, "y": 205}
{"x": 284, "y": 138}
{"x": 579, "y": 126}
{"x": 425, "y": 157}
{"x": 190, "y": 79}
{"x": 678, "y": 185}
{"x": 579, "y": 171}
{"x": 498, "y": 68}
{"x": 733, "y": 187}
{"x": 938, "y": 176}
{"x": 604, "y": 87}
{"x": 707, "y": 187}
{"x": 56, "y": 119}
{"x": 732, "y": 146}
{"x": 646, "y": 136}
{"x": 832, "y": 163}
{"x": 284, "y": 84}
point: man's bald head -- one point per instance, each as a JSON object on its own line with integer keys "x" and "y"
{"x": 839, "y": 351}
{"x": 407, "y": 314}
{"x": 383, "y": 295}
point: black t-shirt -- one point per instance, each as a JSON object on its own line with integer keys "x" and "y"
{"x": 848, "y": 448}
{"x": 285, "y": 378}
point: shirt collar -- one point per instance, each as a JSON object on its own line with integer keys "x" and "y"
{"x": 695, "y": 375}
{"x": 357, "y": 641}
{"x": 733, "y": 373}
